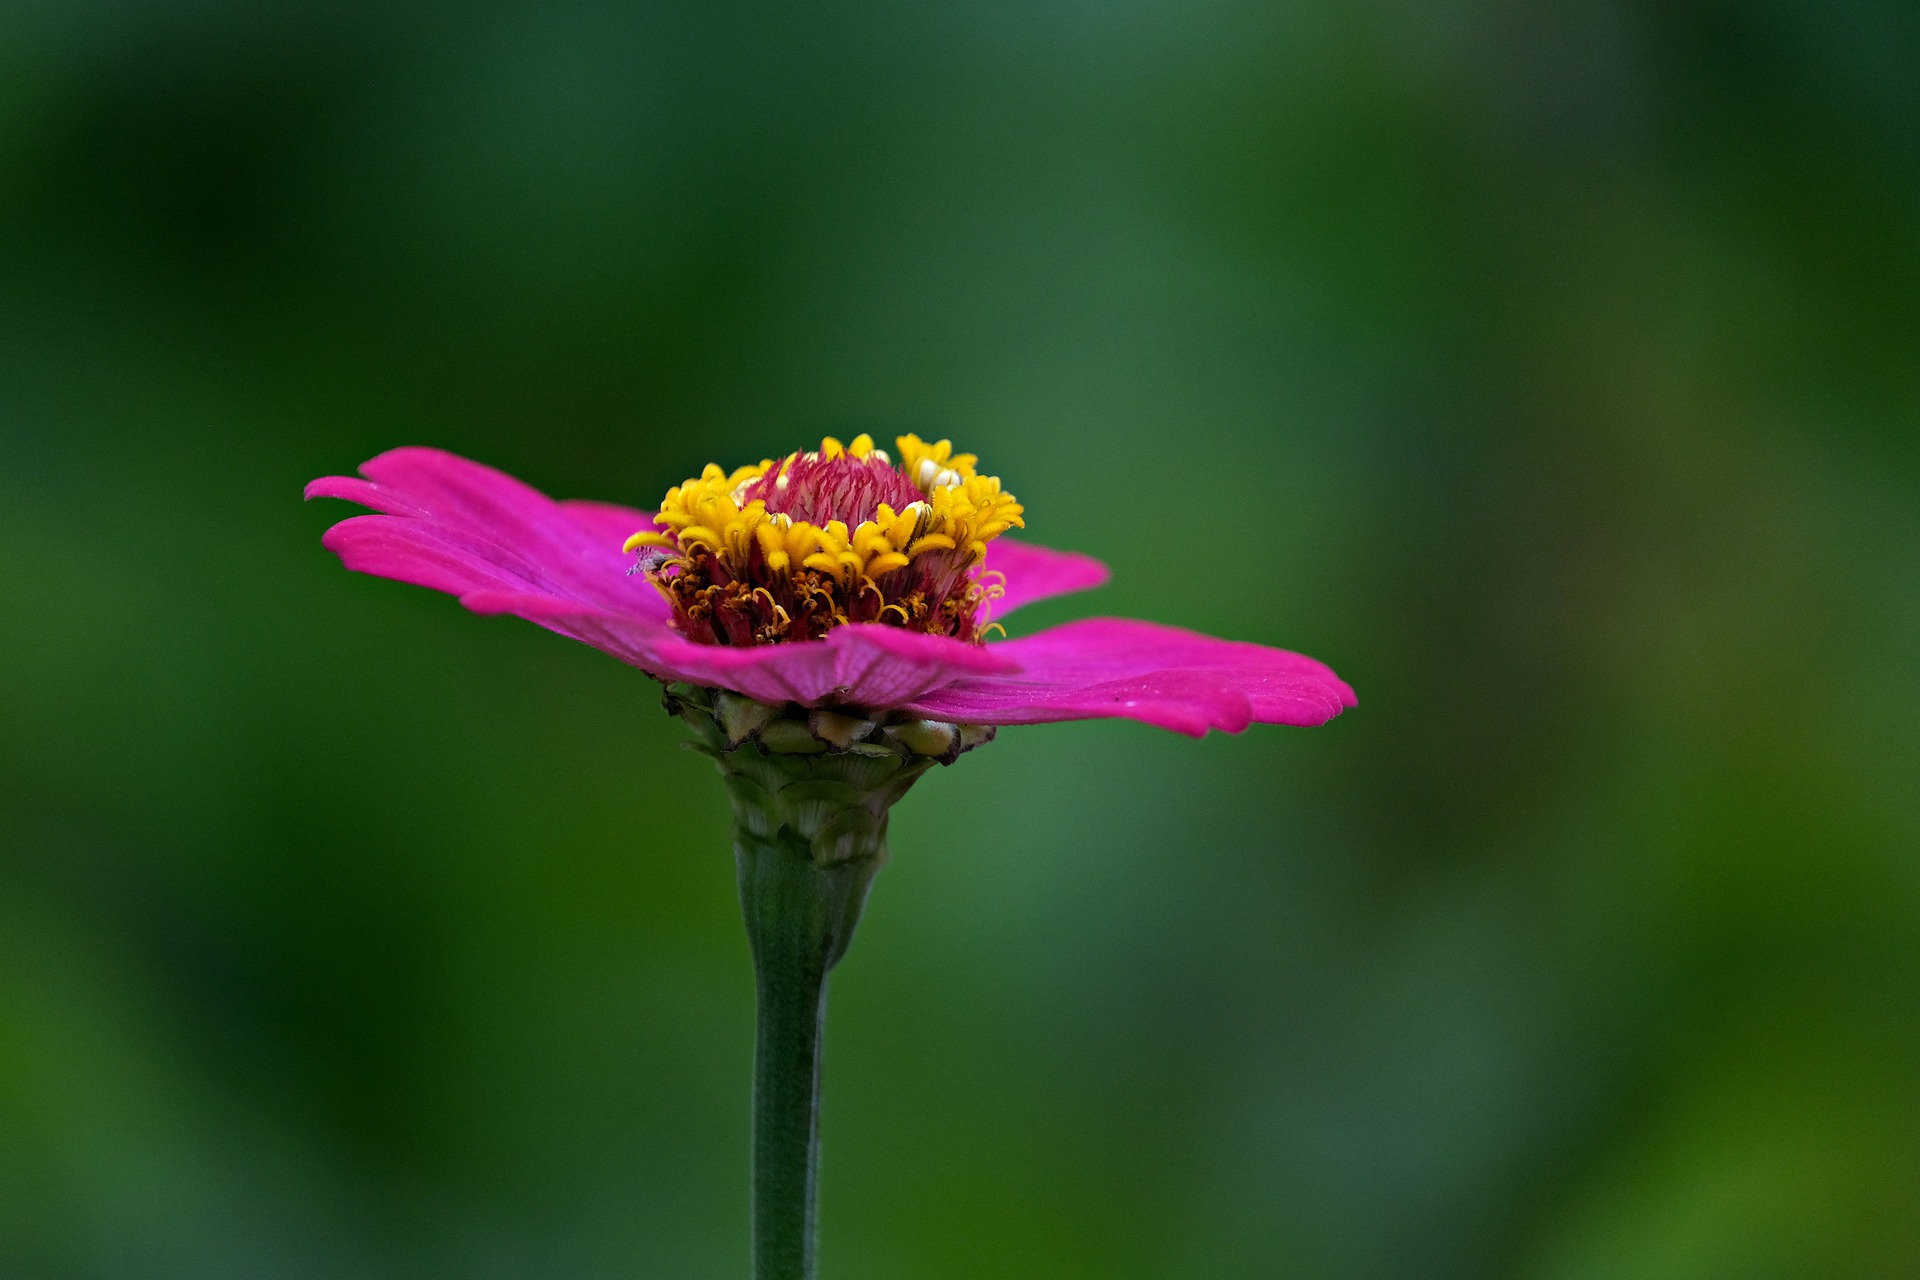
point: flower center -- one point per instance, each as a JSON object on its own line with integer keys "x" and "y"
{"x": 788, "y": 550}
{"x": 817, "y": 488}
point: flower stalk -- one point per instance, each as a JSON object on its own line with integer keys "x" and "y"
{"x": 811, "y": 792}
{"x": 799, "y": 919}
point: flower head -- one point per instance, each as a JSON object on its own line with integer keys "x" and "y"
{"x": 784, "y": 551}
{"x": 860, "y": 586}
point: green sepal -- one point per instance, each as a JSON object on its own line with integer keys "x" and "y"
{"x": 753, "y": 808}
{"x": 807, "y": 805}
{"x": 791, "y": 737}
{"x": 839, "y": 732}
{"x": 849, "y": 835}
{"x": 925, "y": 737}
{"x": 740, "y": 717}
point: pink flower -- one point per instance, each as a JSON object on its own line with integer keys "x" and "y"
{"x": 827, "y": 579}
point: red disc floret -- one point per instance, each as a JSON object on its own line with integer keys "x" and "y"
{"x": 816, "y": 488}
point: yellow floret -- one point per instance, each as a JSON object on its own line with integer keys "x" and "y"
{"x": 785, "y": 542}
{"x": 933, "y": 466}
{"x": 962, "y": 511}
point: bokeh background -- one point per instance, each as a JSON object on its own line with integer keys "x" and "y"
{"x": 1553, "y": 371}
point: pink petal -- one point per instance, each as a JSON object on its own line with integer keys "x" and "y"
{"x": 606, "y": 522}
{"x": 428, "y": 555}
{"x": 1165, "y": 676}
{"x": 455, "y": 525}
{"x": 866, "y": 665}
{"x": 630, "y": 639}
{"x": 1034, "y": 572}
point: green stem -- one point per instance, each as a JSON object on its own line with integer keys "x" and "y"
{"x": 800, "y": 918}
{"x": 810, "y": 793}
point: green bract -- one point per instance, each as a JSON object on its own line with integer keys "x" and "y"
{"x": 817, "y": 780}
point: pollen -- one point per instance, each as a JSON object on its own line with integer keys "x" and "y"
{"x": 788, "y": 549}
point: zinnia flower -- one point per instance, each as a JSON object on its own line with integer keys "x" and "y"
{"x": 821, "y": 622}
{"x": 832, "y": 579}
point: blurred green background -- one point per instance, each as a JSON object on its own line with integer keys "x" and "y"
{"x": 1552, "y": 371}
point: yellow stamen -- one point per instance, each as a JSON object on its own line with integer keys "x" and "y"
{"x": 647, "y": 538}
{"x": 932, "y": 542}
{"x": 743, "y": 571}
{"x": 934, "y": 465}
